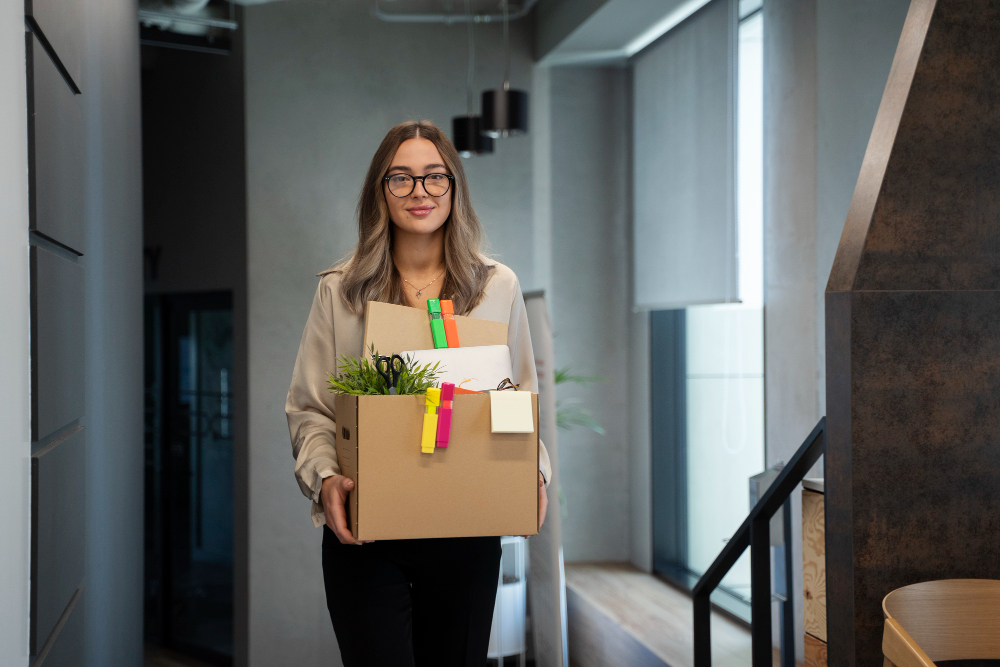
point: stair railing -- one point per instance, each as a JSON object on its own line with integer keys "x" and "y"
{"x": 755, "y": 533}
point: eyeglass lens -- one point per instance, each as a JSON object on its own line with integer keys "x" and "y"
{"x": 401, "y": 185}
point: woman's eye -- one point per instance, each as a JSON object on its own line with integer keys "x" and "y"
{"x": 398, "y": 179}
{"x": 436, "y": 178}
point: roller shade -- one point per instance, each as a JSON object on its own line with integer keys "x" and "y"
{"x": 684, "y": 247}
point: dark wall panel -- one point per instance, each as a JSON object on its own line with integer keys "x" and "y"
{"x": 62, "y": 24}
{"x": 58, "y": 517}
{"x": 913, "y": 333}
{"x": 57, "y": 377}
{"x": 67, "y": 645}
{"x": 56, "y": 152}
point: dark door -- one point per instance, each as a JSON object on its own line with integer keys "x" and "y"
{"x": 189, "y": 474}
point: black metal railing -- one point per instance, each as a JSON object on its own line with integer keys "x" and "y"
{"x": 755, "y": 533}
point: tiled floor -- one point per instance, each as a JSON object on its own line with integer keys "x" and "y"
{"x": 649, "y": 611}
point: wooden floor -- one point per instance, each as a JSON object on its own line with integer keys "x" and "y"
{"x": 154, "y": 656}
{"x": 619, "y": 615}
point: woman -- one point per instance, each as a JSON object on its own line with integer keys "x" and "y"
{"x": 403, "y": 602}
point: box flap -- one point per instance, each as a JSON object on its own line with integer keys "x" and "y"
{"x": 394, "y": 329}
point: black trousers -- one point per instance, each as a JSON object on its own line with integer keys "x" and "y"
{"x": 412, "y": 603}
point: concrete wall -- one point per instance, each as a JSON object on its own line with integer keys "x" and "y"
{"x": 590, "y": 199}
{"x": 856, "y": 41}
{"x": 113, "y": 259}
{"x": 792, "y": 358}
{"x": 826, "y": 66}
{"x": 15, "y": 448}
{"x": 324, "y": 82}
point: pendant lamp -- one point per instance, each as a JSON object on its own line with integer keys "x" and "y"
{"x": 466, "y": 131}
{"x": 505, "y": 111}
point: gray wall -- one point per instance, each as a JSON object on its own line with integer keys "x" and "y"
{"x": 826, "y": 66}
{"x": 856, "y": 41}
{"x": 324, "y": 82}
{"x": 589, "y": 298}
{"x": 582, "y": 185}
{"x": 792, "y": 356}
{"x": 113, "y": 258}
{"x": 15, "y": 449}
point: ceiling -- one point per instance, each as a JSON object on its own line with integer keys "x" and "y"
{"x": 618, "y": 29}
{"x": 442, "y": 9}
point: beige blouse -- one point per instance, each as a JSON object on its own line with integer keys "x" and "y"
{"x": 332, "y": 330}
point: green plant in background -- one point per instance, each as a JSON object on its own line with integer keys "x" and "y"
{"x": 360, "y": 377}
{"x": 568, "y": 413}
{"x": 568, "y": 416}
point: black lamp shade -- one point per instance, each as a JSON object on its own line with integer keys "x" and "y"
{"x": 505, "y": 113}
{"x": 466, "y": 134}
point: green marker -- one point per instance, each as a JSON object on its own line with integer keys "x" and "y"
{"x": 437, "y": 323}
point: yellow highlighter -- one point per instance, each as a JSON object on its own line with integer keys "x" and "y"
{"x": 428, "y": 439}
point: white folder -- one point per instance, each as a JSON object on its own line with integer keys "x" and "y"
{"x": 478, "y": 368}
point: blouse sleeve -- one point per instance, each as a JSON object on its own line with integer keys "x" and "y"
{"x": 309, "y": 405}
{"x": 523, "y": 362}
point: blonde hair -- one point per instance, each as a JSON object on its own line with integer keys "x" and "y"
{"x": 370, "y": 273}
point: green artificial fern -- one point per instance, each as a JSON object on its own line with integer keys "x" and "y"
{"x": 360, "y": 377}
{"x": 568, "y": 416}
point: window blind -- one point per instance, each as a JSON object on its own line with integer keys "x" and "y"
{"x": 684, "y": 243}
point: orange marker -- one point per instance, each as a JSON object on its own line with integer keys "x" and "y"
{"x": 450, "y": 326}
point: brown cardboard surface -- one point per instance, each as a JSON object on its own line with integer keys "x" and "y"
{"x": 346, "y": 409}
{"x": 395, "y": 329}
{"x": 483, "y": 483}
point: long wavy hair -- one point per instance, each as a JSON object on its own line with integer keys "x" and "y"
{"x": 369, "y": 273}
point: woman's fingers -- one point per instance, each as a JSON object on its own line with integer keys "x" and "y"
{"x": 335, "y": 493}
{"x": 543, "y": 503}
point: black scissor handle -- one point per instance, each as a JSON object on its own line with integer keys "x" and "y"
{"x": 390, "y": 371}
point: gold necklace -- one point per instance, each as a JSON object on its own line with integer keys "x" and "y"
{"x": 421, "y": 290}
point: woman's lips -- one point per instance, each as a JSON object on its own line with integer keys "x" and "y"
{"x": 420, "y": 211}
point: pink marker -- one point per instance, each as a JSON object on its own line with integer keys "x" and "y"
{"x": 444, "y": 414}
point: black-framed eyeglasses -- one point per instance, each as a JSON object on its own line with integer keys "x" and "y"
{"x": 402, "y": 185}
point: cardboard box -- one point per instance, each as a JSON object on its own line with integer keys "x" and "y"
{"x": 394, "y": 329}
{"x": 483, "y": 483}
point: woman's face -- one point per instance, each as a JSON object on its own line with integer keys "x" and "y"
{"x": 418, "y": 212}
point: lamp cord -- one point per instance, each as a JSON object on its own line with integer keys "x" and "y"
{"x": 506, "y": 47}
{"x": 472, "y": 58}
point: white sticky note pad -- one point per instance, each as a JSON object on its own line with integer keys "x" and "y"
{"x": 511, "y": 412}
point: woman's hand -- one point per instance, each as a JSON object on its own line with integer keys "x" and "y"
{"x": 543, "y": 503}
{"x": 333, "y": 496}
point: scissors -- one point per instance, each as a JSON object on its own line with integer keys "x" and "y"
{"x": 390, "y": 371}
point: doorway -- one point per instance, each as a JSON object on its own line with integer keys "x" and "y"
{"x": 189, "y": 474}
